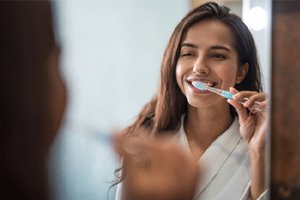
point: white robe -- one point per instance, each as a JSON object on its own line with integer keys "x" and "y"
{"x": 225, "y": 167}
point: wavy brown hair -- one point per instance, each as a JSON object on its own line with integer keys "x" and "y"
{"x": 163, "y": 112}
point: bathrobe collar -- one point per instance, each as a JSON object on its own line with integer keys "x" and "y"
{"x": 215, "y": 155}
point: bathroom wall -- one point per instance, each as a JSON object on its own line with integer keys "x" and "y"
{"x": 111, "y": 53}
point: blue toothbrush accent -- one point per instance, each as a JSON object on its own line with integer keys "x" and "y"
{"x": 227, "y": 94}
{"x": 224, "y": 93}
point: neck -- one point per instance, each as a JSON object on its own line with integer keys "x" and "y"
{"x": 203, "y": 126}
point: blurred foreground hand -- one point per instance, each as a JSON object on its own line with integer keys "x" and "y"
{"x": 155, "y": 168}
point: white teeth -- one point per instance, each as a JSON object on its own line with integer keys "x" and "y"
{"x": 208, "y": 84}
{"x": 194, "y": 82}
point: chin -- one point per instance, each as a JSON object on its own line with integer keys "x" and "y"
{"x": 195, "y": 103}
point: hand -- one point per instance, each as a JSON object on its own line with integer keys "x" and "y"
{"x": 252, "y": 118}
{"x": 156, "y": 168}
{"x": 253, "y": 128}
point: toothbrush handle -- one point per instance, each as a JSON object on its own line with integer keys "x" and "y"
{"x": 215, "y": 90}
{"x": 227, "y": 94}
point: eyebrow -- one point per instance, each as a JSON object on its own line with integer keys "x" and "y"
{"x": 220, "y": 47}
{"x": 189, "y": 45}
{"x": 216, "y": 47}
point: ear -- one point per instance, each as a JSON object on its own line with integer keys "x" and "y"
{"x": 241, "y": 73}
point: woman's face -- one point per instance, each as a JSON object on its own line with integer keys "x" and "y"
{"x": 58, "y": 93}
{"x": 207, "y": 54}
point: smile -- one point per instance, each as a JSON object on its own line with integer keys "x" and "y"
{"x": 208, "y": 83}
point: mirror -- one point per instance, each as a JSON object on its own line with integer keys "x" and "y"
{"x": 111, "y": 56}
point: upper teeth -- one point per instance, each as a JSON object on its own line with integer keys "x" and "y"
{"x": 208, "y": 84}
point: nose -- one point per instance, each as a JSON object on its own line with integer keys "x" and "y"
{"x": 200, "y": 67}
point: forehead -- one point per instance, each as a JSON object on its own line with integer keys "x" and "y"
{"x": 210, "y": 32}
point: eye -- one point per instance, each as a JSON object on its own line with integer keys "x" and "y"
{"x": 186, "y": 54}
{"x": 218, "y": 56}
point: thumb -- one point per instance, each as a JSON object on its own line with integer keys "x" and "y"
{"x": 233, "y": 90}
{"x": 240, "y": 109}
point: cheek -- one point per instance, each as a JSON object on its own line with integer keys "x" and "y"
{"x": 59, "y": 103}
{"x": 226, "y": 75}
{"x": 179, "y": 75}
{"x": 230, "y": 77}
{"x": 58, "y": 95}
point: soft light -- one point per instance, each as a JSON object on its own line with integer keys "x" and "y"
{"x": 256, "y": 18}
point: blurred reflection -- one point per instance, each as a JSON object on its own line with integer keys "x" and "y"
{"x": 111, "y": 56}
{"x": 33, "y": 98}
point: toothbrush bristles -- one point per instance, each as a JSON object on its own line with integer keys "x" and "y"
{"x": 199, "y": 85}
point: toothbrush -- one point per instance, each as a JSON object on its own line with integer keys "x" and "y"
{"x": 224, "y": 93}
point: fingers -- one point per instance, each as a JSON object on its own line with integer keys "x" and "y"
{"x": 134, "y": 151}
{"x": 255, "y": 102}
{"x": 156, "y": 168}
{"x": 233, "y": 90}
{"x": 240, "y": 109}
{"x": 249, "y": 98}
{"x": 142, "y": 152}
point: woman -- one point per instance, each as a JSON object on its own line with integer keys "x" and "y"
{"x": 212, "y": 46}
{"x": 33, "y": 100}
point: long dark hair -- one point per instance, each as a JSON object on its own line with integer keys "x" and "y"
{"x": 163, "y": 113}
{"x": 26, "y": 39}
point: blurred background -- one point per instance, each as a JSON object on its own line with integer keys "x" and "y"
{"x": 111, "y": 51}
